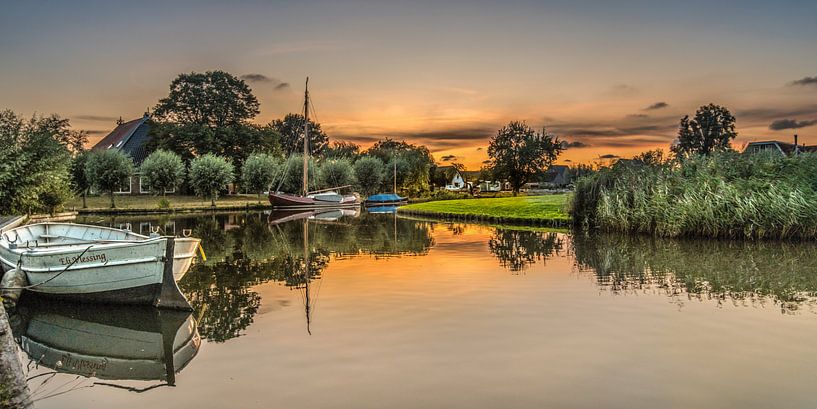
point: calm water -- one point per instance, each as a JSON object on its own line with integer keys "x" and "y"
{"x": 379, "y": 311}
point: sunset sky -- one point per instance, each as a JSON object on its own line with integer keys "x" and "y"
{"x": 612, "y": 78}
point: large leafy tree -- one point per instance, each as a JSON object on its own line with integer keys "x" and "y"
{"x": 214, "y": 98}
{"x": 342, "y": 150}
{"x": 291, "y": 129}
{"x": 108, "y": 170}
{"x": 210, "y": 113}
{"x": 518, "y": 153}
{"x": 34, "y": 160}
{"x": 162, "y": 170}
{"x": 415, "y": 164}
{"x": 209, "y": 174}
{"x": 711, "y": 130}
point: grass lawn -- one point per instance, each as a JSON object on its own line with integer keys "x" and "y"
{"x": 547, "y": 208}
{"x": 151, "y": 203}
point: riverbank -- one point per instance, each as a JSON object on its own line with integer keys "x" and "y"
{"x": 548, "y": 210}
{"x": 177, "y": 204}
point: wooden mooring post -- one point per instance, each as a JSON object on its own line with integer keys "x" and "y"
{"x": 14, "y": 391}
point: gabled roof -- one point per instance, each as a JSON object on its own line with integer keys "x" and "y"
{"x": 130, "y": 137}
{"x": 785, "y": 147}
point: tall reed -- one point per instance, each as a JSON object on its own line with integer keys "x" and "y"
{"x": 728, "y": 195}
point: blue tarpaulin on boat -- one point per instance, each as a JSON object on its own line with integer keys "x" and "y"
{"x": 384, "y": 198}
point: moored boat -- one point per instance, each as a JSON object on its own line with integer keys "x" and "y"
{"x": 385, "y": 199}
{"x": 326, "y": 198}
{"x": 98, "y": 264}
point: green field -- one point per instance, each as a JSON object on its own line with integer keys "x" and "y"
{"x": 548, "y": 209}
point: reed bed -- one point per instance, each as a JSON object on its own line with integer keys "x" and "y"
{"x": 724, "y": 195}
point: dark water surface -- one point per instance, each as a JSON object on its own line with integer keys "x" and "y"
{"x": 383, "y": 311}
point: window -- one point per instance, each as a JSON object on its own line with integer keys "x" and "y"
{"x": 142, "y": 187}
{"x": 125, "y": 188}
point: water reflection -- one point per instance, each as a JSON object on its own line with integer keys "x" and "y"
{"x": 108, "y": 343}
{"x": 751, "y": 273}
{"x": 519, "y": 249}
{"x": 247, "y": 249}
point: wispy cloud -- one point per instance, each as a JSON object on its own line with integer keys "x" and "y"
{"x": 805, "y": 81}
{"x": 657, "y": 105}
{"x": 263, "y": 79}
{"x": 448, "y": 158}
{"x": 609, "y": 156}
{"x": 781, "y": 124}
{"x": 96, "y": 118}
{"x": 573, "y": 144}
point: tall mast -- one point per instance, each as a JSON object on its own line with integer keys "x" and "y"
{"x": 306, "y": 273}
{"x": 394, "y": 162}
{"x": 306, "y": 137}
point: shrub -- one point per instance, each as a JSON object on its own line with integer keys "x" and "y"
{"x": 369, "y": 174}
{"x": 293, "y": 174}
{"x": 336, "y": 173}
{"x": 162, "y": 171}
{"x": 107, "y": 170}
{"x": 258, "y": 172}
{"x": 209, "y": 174}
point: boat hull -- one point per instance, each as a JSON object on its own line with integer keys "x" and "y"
{"x": 286, "y": 201}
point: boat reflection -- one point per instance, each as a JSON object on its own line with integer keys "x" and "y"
{"x": 111, "y": 343}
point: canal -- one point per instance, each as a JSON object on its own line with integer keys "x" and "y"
{"x": 379, "y": 310}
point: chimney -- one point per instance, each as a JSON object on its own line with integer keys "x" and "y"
{"x": 795, "y": 140}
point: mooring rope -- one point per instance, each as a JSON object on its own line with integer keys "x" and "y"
{"x": 27, "y": 287}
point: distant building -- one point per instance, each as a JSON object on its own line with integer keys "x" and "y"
{"x": 557, "y": 176}
{"x": 457, "y": 182}
{"x": 784, "y": 148}
{"x": 131, "y": 138}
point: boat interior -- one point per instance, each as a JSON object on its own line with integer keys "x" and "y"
{"x": 65, "y": 234}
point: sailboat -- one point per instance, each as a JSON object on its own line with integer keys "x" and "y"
{"x": 387, "y": 199}
{"x": 324, "y": 198}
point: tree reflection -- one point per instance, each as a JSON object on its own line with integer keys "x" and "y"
{"x": 743, "y": 272}
{"x": 518, "y": 249}
{"x": 243, "y": 251}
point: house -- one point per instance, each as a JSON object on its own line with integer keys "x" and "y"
{"x": 784, "y": 148}
{"x": 457, "y": 182}
{"x": 131, "y": 138}
{"x": 557, "y": 176}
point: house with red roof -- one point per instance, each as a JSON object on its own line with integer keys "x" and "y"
{"x": 131, "y": 138}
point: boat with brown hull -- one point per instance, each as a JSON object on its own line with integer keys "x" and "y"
{"x": 320, "y": 199}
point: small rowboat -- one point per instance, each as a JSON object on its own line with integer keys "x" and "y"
{"x": 98, "y": 264}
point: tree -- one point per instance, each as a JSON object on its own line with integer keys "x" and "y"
{"x": 291, "y": 129}
{"x": 414, "y": 177}
{"x": 162, "y": 170}
{"x": 518, "y": 153}
{"x": 210, "y": 113}
{"x": 79, "y": 179}
{"x": 258, "y": 172}
{"x": 34, "y": 159}
{"x": 369, "y": 174}
{"x": 712, "y": 130}
{"x": 342, "y": 150}
{"x": 336, "y": 173}
{"x": 108, "y": 170}
{"x": 293, "y": 175}
{"x": 209, "y": 174}
{"x": 214, "y": 99}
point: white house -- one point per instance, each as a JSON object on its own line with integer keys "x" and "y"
{"x": 457, "y": 182}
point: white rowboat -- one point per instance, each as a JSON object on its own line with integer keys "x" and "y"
{"x": 97, "y": 264}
